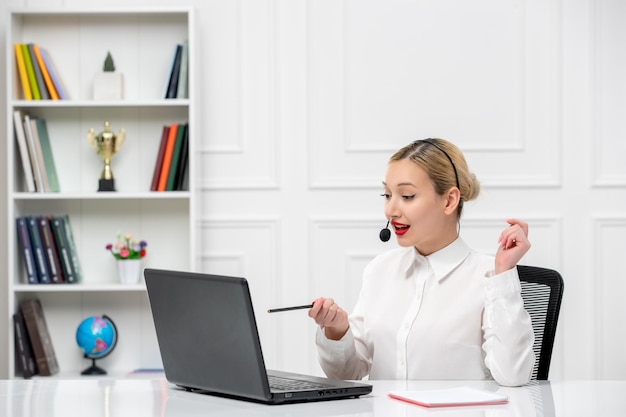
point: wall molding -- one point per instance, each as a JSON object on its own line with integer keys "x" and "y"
{"x": 338, "y": 160}
{"x": 608, "y": 86}
{"x": 602, "y": 257}
{"x": 254, "y": 144}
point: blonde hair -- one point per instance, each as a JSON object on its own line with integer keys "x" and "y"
{"x": 444, "y": 164}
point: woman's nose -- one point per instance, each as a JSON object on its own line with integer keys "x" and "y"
{"x": 391, "y": 208}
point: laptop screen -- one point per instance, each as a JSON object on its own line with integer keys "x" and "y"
{"x": 207, "y": 332}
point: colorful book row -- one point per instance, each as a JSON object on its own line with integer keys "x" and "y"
{"x": 177, "y": 81}
{"x": 172, "y": 164}
{"x": 38, "y": 76}
{"x": 48, "y": 249}
{"x": 36, "y": 153}
{"x": 34, "y": 352}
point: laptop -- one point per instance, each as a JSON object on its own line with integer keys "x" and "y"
{"x": 209, "y": 342}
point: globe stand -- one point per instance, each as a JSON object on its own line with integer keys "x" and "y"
{"x": 93, "y": 369}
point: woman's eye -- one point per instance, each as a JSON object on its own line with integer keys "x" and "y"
{"x": 386, "y": 196}
{"x": 408, "y": 197}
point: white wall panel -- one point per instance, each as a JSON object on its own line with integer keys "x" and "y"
{"x": 240, "y": 148}
{"x": 609, "y": 81}
{"x": 610, "y": 286}
{"x": 383, "y": 76}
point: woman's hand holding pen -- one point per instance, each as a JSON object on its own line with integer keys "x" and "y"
{"x": 512, "y": 245}
{"x": 332, "y": 318}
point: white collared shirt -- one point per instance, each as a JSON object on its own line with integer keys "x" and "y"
{"x": 443, "y": 316}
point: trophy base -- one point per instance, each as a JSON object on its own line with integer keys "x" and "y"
{"x": 106, "y": 185}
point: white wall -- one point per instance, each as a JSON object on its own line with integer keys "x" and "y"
{"x": 303, "y": 101}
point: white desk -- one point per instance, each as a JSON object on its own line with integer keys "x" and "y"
{"x": 45, "y": 397}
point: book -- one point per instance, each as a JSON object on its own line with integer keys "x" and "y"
{"x": 53, "y": 72}
{"x": 159, "y": 161}
{"x": 172, "y": 88}
{"x": 21, "y": 69}
{"x": 167, "y": 157}
{"x": 170, "y": 72}
{"x": 69, "y": 234}
{"x": 26, "y": 249}
{"x": 34, "y": 149}
{"x": 185, "y": 181}
{"x": 458, "y": 396}
{"x": 32, "y": 154}
{"x": 31, "y": 72}
{"x": 50, "y": 250}
{"x": 45, "y": 73}
{"x": 24, "y": 358}
{"x": 57, "y": 224}
{"x": 48, "y": 157}
{"x": 39, "y": 336}
{"x": 178, "y": 146}
{"x": 43, "y": 91}
{"x": 20, "y": 137}
{"x": 183, "y": 73}
{"x": 41, "y": 265}
{"x": 184, "y": 162}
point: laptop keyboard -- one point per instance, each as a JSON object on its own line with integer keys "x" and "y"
{"x": 287, "y": 384}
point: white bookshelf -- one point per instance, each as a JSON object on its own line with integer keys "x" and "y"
{"x": 142, "y": 43}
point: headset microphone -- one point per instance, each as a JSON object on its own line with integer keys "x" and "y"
{"x": 385, "y": 233}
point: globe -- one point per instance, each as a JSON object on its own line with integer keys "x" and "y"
{"x": 97, "y": 337}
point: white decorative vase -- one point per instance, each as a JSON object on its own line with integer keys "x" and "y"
{"x": 129, "y": 271}
{"x": 108, "y": 86}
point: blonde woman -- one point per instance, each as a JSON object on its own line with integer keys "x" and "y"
{"x": 432, "y": 308}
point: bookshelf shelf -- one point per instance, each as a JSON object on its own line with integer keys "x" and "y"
{"x": 42, "y": 104}
{"x": 77, "y": 288}
{"x": 142, "y": 45}
{"x": 148, "y": 195}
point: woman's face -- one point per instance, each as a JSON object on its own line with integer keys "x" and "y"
{"x": 420, "y": 217}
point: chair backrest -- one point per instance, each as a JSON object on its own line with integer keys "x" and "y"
{"x": 542, "y": 291}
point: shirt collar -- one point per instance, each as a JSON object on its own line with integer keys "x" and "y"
{"x": 444, "y": 260}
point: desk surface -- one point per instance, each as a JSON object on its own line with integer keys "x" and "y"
{"x": 157, "y": 398}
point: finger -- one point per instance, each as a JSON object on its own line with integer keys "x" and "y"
{"x": 515, "y": 240}
{"x": 321, "y": 310}
{"x": 510, "y": 237}
{"x": 318, "y": 303}
{"x": 521, "y": 224}
{"x": 514, "y": 230}
{"x": 504, "y": 236}
{"x": 328, "y": 303}
{"x": 510, "y": 242}
{"x": 331, "y": 314}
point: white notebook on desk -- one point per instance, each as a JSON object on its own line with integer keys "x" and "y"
{"x": 451, "y": 397}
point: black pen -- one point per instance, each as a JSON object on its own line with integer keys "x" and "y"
{"x": 278, "y": 310}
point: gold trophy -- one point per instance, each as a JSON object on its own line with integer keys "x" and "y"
{"x": 107, "y": 144}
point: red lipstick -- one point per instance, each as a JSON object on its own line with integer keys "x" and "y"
{"x": 400, "y": 228}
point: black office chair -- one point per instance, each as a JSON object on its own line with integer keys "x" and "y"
{"x": 542, "y": 291}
